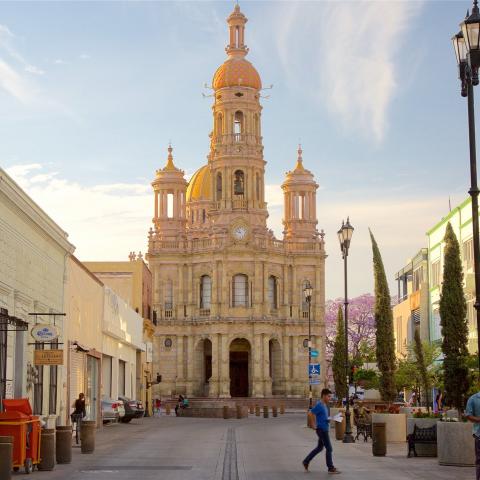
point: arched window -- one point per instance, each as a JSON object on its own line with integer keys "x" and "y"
{"x": 168, "y": 295}
{"x": 219, "y": 186}
{"x": 238, "y": 182}
{"x": 304, "y": 301}
{"x": 272, "y": 292}
{"x": 205, "y": 291}
{"x": 238, "y": 125}
{"x": 240, "y": 290}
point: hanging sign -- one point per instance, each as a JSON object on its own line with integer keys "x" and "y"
{"x": 48, "y": 357}
{"x": 45, "y": 333}
{"x": 314, "y": 353}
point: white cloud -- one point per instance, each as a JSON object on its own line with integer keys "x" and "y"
{"x": 59, "y": 61}
{"x": 84, "y": 56}
{"x": 352, "y": 57}
{"x": 34, "y": 70}
{"x": 14, "y": 84}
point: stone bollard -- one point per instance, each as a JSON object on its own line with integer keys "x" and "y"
{"x": 251, "y": 409}
{"x": 274, "y": 411}
{"x": 87, "y": 435}
{"x": 47, "y": 449}
{"x": 265, "y": 411}
{"x": 6, "y": 452}
{"x": 340, "y": 430}
{"x": 63, "y": 444}
{"x": 379, "y": 439}
{"x": 225, "y": 412}
{"x": 167, "y": 408}
{"x": 257, "y": 410}
{"x": 282, "y": 409}
{"x": 239, "y": 411}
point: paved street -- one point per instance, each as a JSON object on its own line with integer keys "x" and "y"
{"x": 173, "y": 448}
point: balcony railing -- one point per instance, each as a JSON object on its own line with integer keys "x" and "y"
{"x": 168, "y": 313}
{"x": 239, "y": 204}
{"x": 204, "y": 312}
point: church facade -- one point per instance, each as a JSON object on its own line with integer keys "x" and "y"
{"x": 231, "y": 315}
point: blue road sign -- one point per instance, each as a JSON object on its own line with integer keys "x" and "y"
{"x": 314, "y": 353}
{"x": 314, "y": 369}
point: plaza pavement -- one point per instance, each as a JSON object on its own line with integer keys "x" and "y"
{"x": 171, "y": 448}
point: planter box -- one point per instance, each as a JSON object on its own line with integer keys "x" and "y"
{"x": 396, "y": 426}
{"x": 422, "y": 450}
{"x": 455, "y": 444}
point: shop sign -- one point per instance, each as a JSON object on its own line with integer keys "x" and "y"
{"x": 45, "y": 333}
{"x": 48, "y": 357}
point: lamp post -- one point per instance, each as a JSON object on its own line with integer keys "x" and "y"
{"x": 467, "y": 50}
{"x": 307, "y": 291}
{"x": 345, "y": 236}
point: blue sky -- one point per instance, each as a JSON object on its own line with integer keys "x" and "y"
{"x": 91, "y": 93}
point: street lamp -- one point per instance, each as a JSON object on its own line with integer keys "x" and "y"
{"x": 466, "y": 44}
{"x": 345, "y": 236}
{"x": 307, "y": 291}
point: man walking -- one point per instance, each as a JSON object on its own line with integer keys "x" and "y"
{"x": 320, "y": 410}
{"x": 472, "y": 413}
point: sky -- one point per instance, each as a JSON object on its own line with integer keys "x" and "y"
{"x": 91, "y": 93}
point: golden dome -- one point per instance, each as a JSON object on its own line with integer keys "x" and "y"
{"x": 236, "y": 72}
{"x": 200, "y": 185}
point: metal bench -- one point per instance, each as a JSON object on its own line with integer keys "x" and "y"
{"x": 421, "y": 435}
{"x": 363, "y": 424}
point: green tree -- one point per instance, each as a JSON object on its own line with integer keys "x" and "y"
{"x": 366, "y": 378}
{"x": 338, "y": 360}
{"x": 423, "y": 375}
{"x": 385, "y": 351}
{"x": 453, "y": 320}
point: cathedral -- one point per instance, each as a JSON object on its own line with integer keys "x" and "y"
{"x": 232, "y": 318}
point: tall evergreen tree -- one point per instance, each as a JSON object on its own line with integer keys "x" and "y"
{"x": 422, "y": 367}
{"x": 338, "y": 360}
{"x": 385, "y": 339}
{"x": 453, "y": 320}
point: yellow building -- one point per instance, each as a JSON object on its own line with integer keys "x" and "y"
{"x": 232, "y": 317}
{"x": 132, "y": 281}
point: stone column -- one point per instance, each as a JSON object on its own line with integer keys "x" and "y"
{"x": 267, "y": 379}
{"x": 214, "y": 307}
{"x": 266, "y": 307}
{"x": 189, "y": 290}
{"x": 180, "y": 362}
{"x": 214, "y": 380}
{"x": 287, "y": 365}
{"x": 190, "y": 364}
{"x": 257, "y": 387}
{"x": 294, "y": 292}
{"x": 296, "y": 341}
{"x": 224, "y": 367}
{"x": 156, "y": 204}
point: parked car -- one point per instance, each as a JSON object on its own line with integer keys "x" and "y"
{"x": 133, "y": 409}
{"x": 109, "y": 410}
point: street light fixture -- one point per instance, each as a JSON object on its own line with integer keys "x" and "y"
{"x": 345, "y": 236}
{"x": 307, "y": 291}
{"x": 467, "y": 50}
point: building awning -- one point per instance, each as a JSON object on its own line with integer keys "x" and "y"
{"x": 9, "y": 323}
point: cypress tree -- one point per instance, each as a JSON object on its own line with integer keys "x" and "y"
{"x": 385, "y": 347}
{"x": 453, "y": 320}
{"x": 338, "y": 360}
{"x": 422, "y": 367}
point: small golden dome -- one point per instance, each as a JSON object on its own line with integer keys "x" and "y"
{"x": 236, "y": 72}
{"x": 200, "y": 185}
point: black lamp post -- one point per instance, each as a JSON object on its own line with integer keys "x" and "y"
{"x": 467, "y": 50}
{"x": 307, "y": 291}
{"x": 345, "y": 236}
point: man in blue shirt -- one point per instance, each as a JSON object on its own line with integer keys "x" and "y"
{"x": 321, "y": 412}
{"x": 472, "y": 413}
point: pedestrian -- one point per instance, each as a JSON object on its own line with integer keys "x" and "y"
{"x": 79, "y": 407}
{"x": 158, "y": 406}
{"x": 438, "y": 402}
{"x": 179, "y": 404}
{"x": 320, "y": 410}
{"x": 472, "y": 413}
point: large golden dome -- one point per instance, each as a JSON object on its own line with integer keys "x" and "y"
{"x": 236, "y": 72}
{"x": 200, "y": 185}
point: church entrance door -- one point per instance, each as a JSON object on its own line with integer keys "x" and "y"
{"x": 239, "y": 368}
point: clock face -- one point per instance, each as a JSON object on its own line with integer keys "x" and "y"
{"x": 240, "y": 232}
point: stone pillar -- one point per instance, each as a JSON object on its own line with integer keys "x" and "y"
{"x": 214, "y": 380}
{"x": 190, "y": 365}
{"x": 257, "y": 387}
{"x": 156, "y": 204}
{"x": 257, "y": 289}
{"x": 287, "y": 365}
{"x": 180, "y": 363}
{"x": 189, "y": 290}
{"x": 294, "y": 292}
{"x": 267, "y": 379}
{"x": 296, "y": 340}
{"x": 266, "y": 307}
{"x": 224, "y": 367}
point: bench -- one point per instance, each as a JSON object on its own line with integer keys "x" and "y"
{"x": 363, "y": 424}
{"x": 426, "y": 436}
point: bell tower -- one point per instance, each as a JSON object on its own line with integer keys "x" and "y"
{"x": 169, "y": 209}
{"x": 236, "y": 152}
{"x": 300, "y": 212}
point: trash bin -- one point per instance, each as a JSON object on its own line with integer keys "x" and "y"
{"x": 47, "y": 449}
{"x": 63, "y": 444}
{"x": 6, "y": 452}
{"x": 87, "y": 435}
{"x": 379, "y": 439}
{"x": 17, "y": 421}
{"x": 265, "y": 411}
{"x": 251, "y": 409}
{"x": 225, "y": 412}
{"x": 274, "y": 411}
{"x": 239, "y": 411}
{"x": 257, "y": 410}
{"x": 340, "y": 429}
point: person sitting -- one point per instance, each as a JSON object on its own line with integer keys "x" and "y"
{"x": 179, "y": 404}
{"x": 186, "y": 403}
